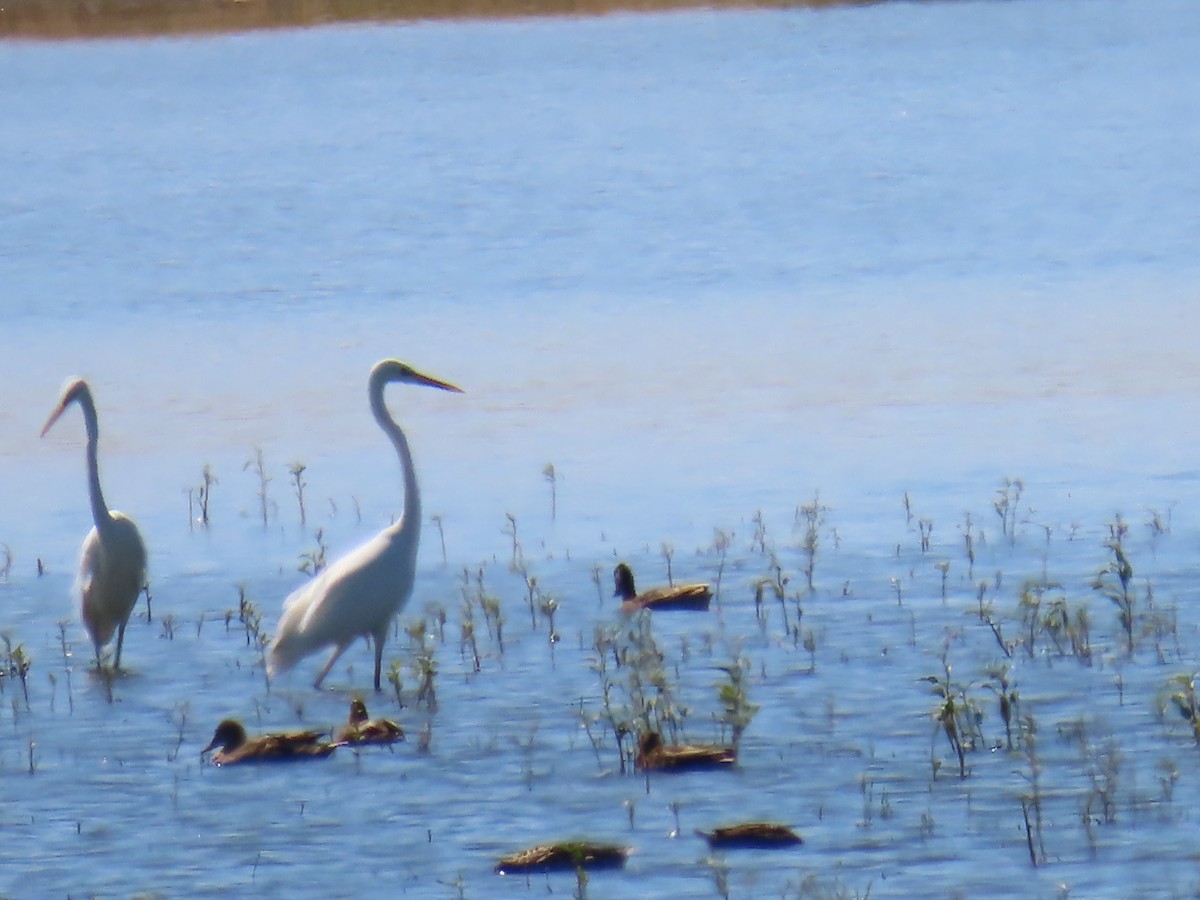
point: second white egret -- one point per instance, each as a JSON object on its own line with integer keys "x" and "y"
{"x": 360, "y": 593}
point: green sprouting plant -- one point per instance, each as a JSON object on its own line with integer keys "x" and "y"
{"x": 548, "y": 606}
{"x": 1031, "y": 801}
{"x": 313, "y": 561}
{"x": 1006, "y": 695}
{"x": 1008, "y": 498}
{"x": 721, "y": 542}
{"x": 511, "y": 530}
{"x": 926, "y": 527}
{"x": 812, "y": 515}
{"x": 1182, "y": 694}
{"x": 1033, "y": 593}
{"x": 424, "y": 664}
{"x": 296, "y": 470}
{"x": 760, "y": 533}
{"x": 437, "y": 523}
{"x": 736, "y": 709}
{"x": 668, "y": 552}
{"x": 551, "y": 477}
{"x": 777, "y": 581}
{"x": 1157, "y": 524}
{"x": 944, "y": 568}
{"x": 467, "y": 640}
{"x": 1069, "y": 631}
{"x": 969, "y": 546}
{"x": 1115, "y": 579}
{"x": 258, "y": 466}
{"x": 956, "y": 715}
{"x": 1104, "y": 769}
{"x": 395, "y": 677}
{"x": 637, "y": 692}
{"x": 17, "y": 663}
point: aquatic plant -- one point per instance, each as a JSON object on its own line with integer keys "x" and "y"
{"x": 510, "y": 529}
{"x": 737, "y": 712}
{"x": 721, "y": 542}
{"x": 424, "y": 664}
{"x": 1115, "y": 578}
{"x": 812, "y": 516}
{"x": 1182, "y": 694}
{"x": 313, "y": 562}
{"x": 436, "y": 520}
{"x": 1006, "y": 502}
{"x": 259, "y": 467}
{"x": 204, "y": 492}
{"x": 551, "y": 477}
{"x": 956, "y": 715}
{"x": 1007, "y": 698}
{"x": 296, "y": 470}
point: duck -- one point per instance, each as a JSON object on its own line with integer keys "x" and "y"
{"x": 680, "y": 596}
{"x": 569, "y": 856}
{"x": 236, "y": 747}
{"x": 654, "y": 754}
{"x": 362, "y": 729}
{"x": 753, "y": 836}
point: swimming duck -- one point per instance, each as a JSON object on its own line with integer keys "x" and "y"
{"x": 681, "y": 596}
{"x": 752, "y": 835}
{"x": 568, "y": 857}
{"x": 362, "y": 729}
{"x": 654, "y": 754}
{"x": 236, "y": 747}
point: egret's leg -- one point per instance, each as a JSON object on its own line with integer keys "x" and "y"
{"x": 338, "y": 651}
{"x": 378, "y": 661}
{"x": 120, "y": 642}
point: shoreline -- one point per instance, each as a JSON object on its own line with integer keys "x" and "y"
{"x": 92, "y": 19}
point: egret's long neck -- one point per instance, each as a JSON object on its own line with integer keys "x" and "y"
{"x": 100, "y": 513}
{"x": 412, "y": 494}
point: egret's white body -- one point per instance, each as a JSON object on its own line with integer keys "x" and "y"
{"x": 112, "y": 565}
{"x": 360, "y": 593}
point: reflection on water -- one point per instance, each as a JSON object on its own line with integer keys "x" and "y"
{"x": 61, "y": 19}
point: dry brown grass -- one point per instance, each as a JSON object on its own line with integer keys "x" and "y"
{"x": 74, "y": 19}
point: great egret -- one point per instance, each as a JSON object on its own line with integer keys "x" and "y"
{"x": 236, "y": 748}
{"x": 362, "y": 729}
{"x": 654, "y": 754}
{"x": 359, "y": 594}
{"x": 681, "y": 596}
{"x": 112, "y": 566}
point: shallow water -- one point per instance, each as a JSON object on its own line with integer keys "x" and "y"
{"x": 707, "y": 265}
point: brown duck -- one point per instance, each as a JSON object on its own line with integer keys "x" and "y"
{"x": 753, "y": 836}
{"x": 654, "y": 754}
{"x": 236, "y": 747}
{"x": 680, "y": 596}
{"x": 362, "y": 729}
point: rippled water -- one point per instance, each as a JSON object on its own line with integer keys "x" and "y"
{"x": 709, "y": 265}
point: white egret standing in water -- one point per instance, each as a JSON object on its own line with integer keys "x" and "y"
{"x": 359, "y": 594}
{"x": 112, "y": 567}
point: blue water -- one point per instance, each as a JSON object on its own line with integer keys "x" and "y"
{"x": 707, "y": 264}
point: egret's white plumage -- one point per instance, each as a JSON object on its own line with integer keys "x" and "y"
{"x": 360, "y": 593}
{"x": 112, "y": 566}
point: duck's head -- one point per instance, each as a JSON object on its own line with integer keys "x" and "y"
{"x": 623, "y": 581}
{"x": 358, "y": 711}
{"x": 229, "y": 736}
{"x": 650, "y": 742}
